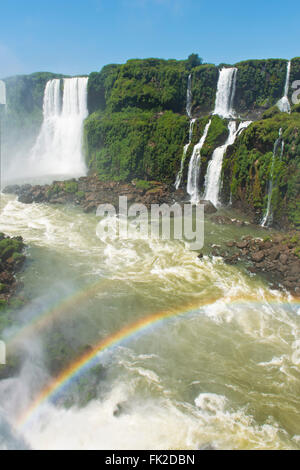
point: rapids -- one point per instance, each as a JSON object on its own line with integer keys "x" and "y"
{"x": 223, "y": 373}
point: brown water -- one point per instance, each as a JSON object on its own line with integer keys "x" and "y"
{"x": 224, "y": 373}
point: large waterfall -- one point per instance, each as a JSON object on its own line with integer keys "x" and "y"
{"x": 284, "y": 104}
{"x": 268, "y": 217}
{"x": 226, "y": 92}
{"x": 214, "y": 170}
{"x": 58, "y": 149}
{"x": 194, "y": 167}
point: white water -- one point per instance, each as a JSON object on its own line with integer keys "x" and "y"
{"x": 185, "y": 149}
{"x": 226, "y": 92}
{"x": 284, "y": 104}
{"x": 189, "y": 100}
{"x": 189, "y": 97}
{"x": 222, "y": 374}
{"x": 58, "y": 148}
{"x": 268, "y": 217}
{"x": 214, "y": 169}
{"x": 195, "y": 167}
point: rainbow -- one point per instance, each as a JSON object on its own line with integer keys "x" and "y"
{"x": 64, "y": 306}
{"x": 116, "y": 339}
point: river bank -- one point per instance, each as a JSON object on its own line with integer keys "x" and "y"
{"x": 88, "y": 192}
{"x": 11, "y": 261}
{"x": 275, "y": 258}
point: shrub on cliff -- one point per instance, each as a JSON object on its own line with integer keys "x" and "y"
{"x": 247, "y": 168}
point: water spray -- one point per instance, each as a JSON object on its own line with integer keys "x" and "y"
{"x": 2, "y": 106}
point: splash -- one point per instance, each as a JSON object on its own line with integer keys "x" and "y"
{"x": 127, "y": 333}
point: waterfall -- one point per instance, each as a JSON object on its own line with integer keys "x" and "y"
{"x": 226, "y": 92}
{"x": 194, "y": 167}
{"x": 268, "y": 217}
{"x": 58, "y": 148}
{"x": 189, "y": 98}
{"x": 185, "y": 149}
{"x": 214, "y": 170}
{"x": 284, "y": 104}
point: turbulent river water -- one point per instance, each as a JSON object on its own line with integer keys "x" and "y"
{"x": 223, "y": 371}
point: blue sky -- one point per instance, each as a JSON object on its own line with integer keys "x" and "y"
{"x": 80, "y": 36}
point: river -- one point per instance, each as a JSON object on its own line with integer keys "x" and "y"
{"x": 216, "y": 367}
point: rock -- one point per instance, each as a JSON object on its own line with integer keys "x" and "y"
{"x": 12, "y": 189}
{"x": 243, "y": 244}
{"x": 283, "y": 258}
{"x": 258, "y": 256}
{"x": 209, "y": 208}
{"x": 294, "y": 268}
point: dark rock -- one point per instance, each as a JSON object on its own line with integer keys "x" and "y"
{"x": 258, "y": 256}
{"x": 243, "y": 244}
{"x": 283, "y": 258}
{"x": 209, "y": 208}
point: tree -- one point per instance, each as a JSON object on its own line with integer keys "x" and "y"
{"x": 193, "y": 61}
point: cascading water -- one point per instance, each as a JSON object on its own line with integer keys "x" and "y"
{"x": 226, "y": 92}
{"x": 268, "y": 217}
{"x": 284, "y": 104}
{"x": 194, "y": 167}
{"x": 58, "y": 149}
{"x": 189, "y": 100}
{"x": 189, "y": 97}
{"x": 185, "y": 149}
{"x": 213, "y": 175}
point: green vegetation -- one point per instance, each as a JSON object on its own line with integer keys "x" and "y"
{"x": 260, "y": 84}
{"x": 247, "y": 168}
{"x": 135, "y": 144}
{"x": 71, "y": 187}
{"x": 10, "y": 247}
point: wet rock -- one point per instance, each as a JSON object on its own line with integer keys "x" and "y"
{"x": 277, "y": 259}
{"x": 209, "y": 208}
{"x": 11, "y": 261}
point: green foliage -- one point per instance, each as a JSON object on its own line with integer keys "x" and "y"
{"x": 10, "y": 246}
{"x": 150, "y": 84}
{"x": 135, "y": 144}
{"x": 53, "y": 190}
{"x": 100, "y": 86}
{"x": 80, "y": 195}
{"x": 71, "y": 187}
{"x": 260, "y": 83}
{"x": 193, "y": 61}
{"x": 142, "y": 184}
{"x": 204, "y": 87}
{"x": 247, "y": 167}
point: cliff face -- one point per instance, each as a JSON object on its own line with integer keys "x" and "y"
{"x": 138, "y": 126}
{"x": 253, "y": 161}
